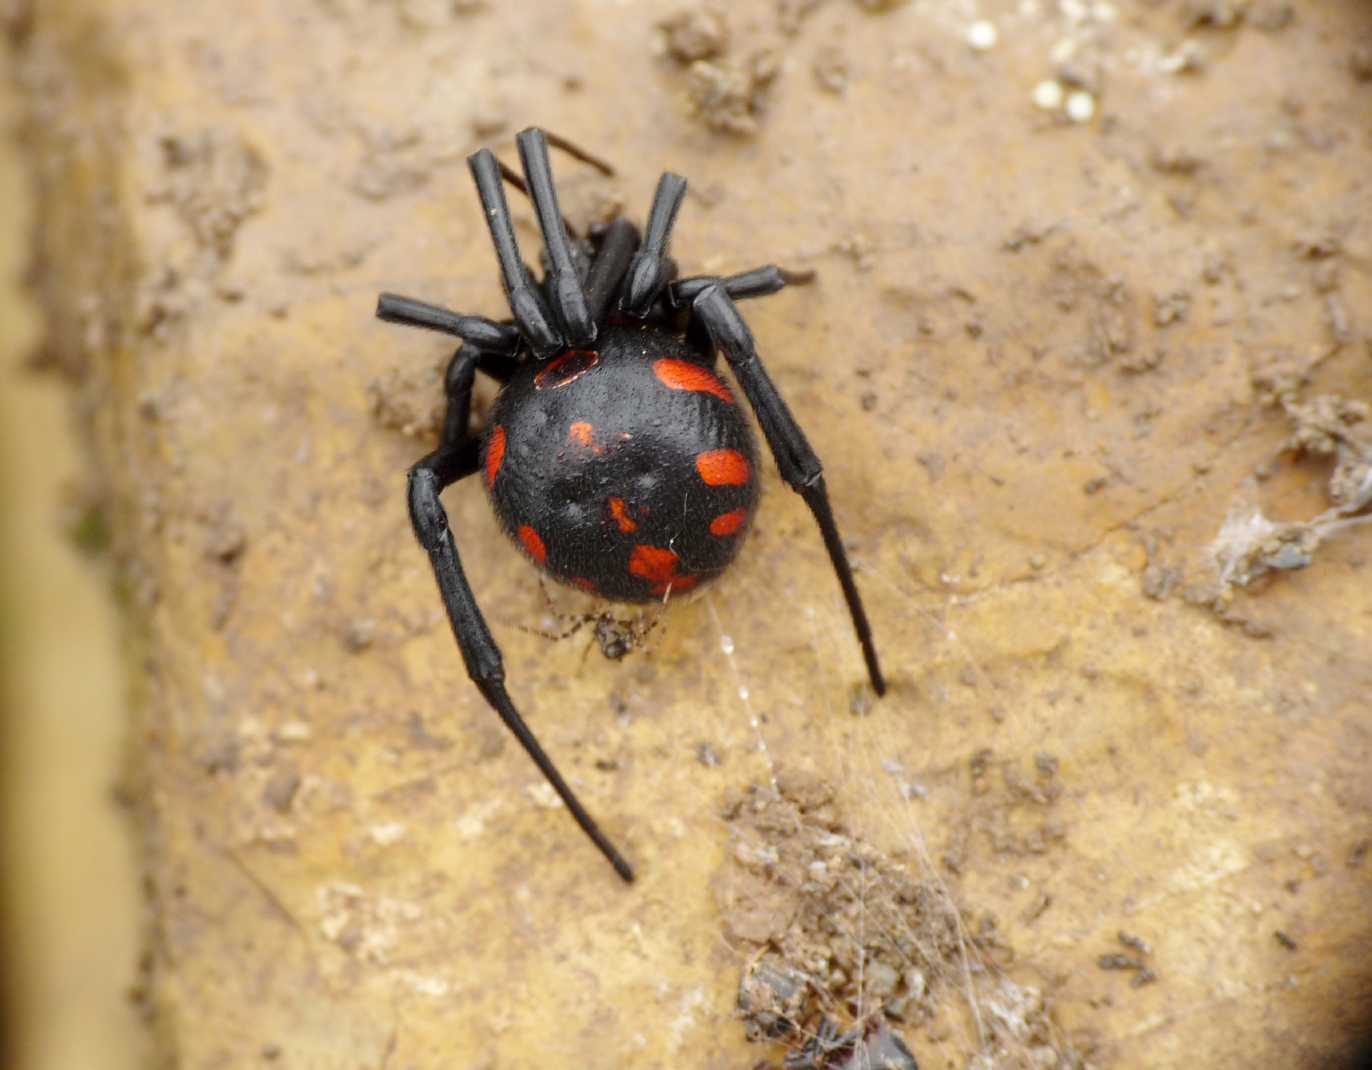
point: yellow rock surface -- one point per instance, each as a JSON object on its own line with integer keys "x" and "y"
{"x": 1031, "y": 365}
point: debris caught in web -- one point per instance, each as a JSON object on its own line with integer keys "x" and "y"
{"x": 852, "y": 955}
{"x": 1250, "y": 544}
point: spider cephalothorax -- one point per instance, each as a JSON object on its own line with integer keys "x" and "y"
{"x": 615, "y": 456}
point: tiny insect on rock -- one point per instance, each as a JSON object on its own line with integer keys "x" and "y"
{"x": 615, "y": 456}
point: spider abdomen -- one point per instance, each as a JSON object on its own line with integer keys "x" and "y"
{"x": 627, "y": 470}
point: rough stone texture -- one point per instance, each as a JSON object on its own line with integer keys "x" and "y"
{"x": 1036, "y": 364}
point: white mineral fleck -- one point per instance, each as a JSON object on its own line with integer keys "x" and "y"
{"x": 1080, "y": 106}
{"x": 1048, "y": 95}
{"x": 388, "y": 833}
{"x": 981, "y": 35}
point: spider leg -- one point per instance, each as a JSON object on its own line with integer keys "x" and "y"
{"x": 578, "y": 622}
{"x": 617, "y": 246}
{"x": 648, "y": 271}
{"x": 457, "y": 386}
{"x": 568, "y": 298}
{"x": 578, "y": 153}
{"x": 457, "y": 456}
{"x": 572, "y": 150}
{"x": 531, "y": 313}
{"x": 557, "y": 637}
{"x": 494, "y": 343}
{"x": 498, "y": 366}
{"x": 485, "y": 334}
{"x": 760, "y": 282}
{"x": 799, "y": 466}
{"x": 579, "y": 256}
{"x": 580, "y": 248}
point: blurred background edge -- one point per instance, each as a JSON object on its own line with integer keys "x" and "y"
{"x": 70, "y": 927}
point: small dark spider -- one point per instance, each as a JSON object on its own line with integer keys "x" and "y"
{"x": 616, "y": 637}
{"x": 614, "y": 455}
{"x": 619, "y": 638}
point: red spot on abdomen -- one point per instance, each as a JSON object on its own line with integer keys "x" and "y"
{"x": 565, "y": 368}
{"x": 683, "y": 375}
{"x": 529, "y": 537}
{"x": 723, "y": 468}
{"x": 582, "y": 583}
{"x": 581, "y": 433}
{"x": 620, "y": 513}
{"x": 653, "y": 563}
{"x": 658, "y": 565}
{"x": 728, "y": 523}
{"x": 495, "y": 453}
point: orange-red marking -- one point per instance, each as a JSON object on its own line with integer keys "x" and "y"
{"x": 564, "y": 369}
{"x": 723, "y": 468}
{"x": 584, "y": 584}
{"x": 683, "y": 375}
{"x": 653, "y": 563}
{"x": 728, "y": 523}
{"x": 495, "y": 453}
{"x": 581, "y": 432}
{"x": 658, "y": 566}
{"x": 620, "y": 512}
{"x": 529, "y": 537}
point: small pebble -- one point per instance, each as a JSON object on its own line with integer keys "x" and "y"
{"x": 281, "y": 789}
{"x": 359, "y": 634}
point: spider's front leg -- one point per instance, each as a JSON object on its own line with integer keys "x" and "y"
{"x": 457, "y": 457}
{"x": 531, "y": 312}
{"x": 759, "y": 282}
{"x": 651, "y": 269}
{"x": 564, "y": 284}
{"x": 799, "y": 466}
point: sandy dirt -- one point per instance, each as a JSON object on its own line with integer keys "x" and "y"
{"x": 1087, "y": 359}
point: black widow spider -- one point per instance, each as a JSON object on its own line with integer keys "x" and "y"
{"x": 614, "y": 455}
